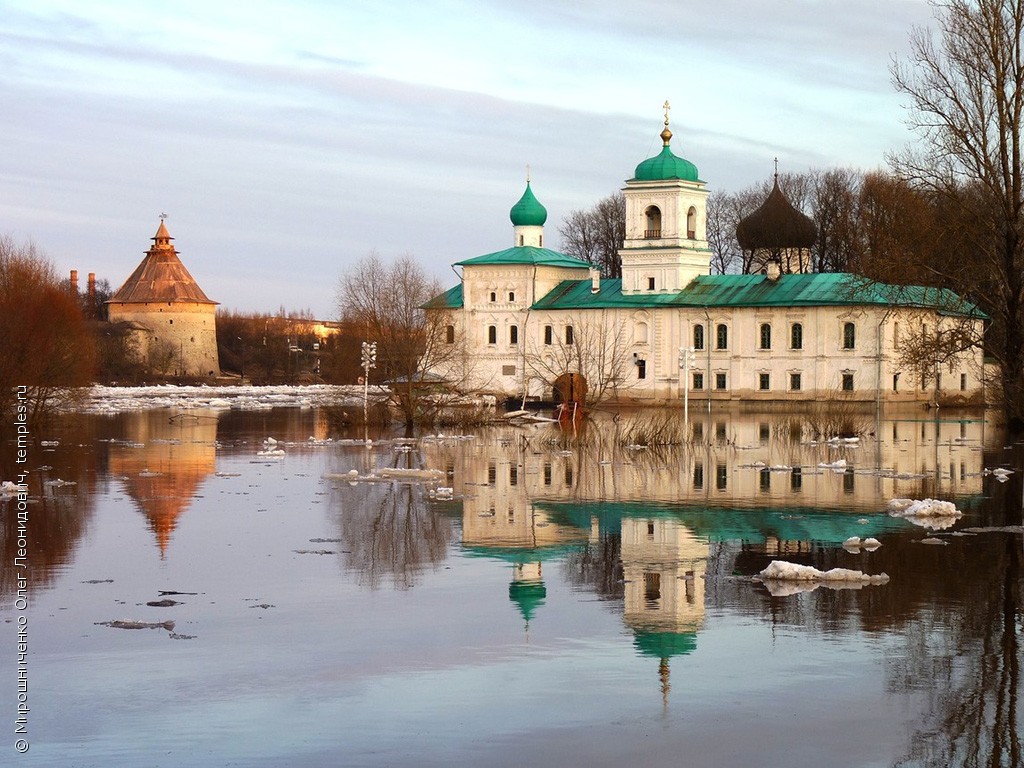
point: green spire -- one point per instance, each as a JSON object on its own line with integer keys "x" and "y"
{"x": 528, "y": 212}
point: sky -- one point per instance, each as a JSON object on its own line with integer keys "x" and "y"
{"x": 287, "y": 139}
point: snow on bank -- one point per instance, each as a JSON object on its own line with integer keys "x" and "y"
{"x": 108, "y": 400}
{"x": 782, "y": 578}
{"x": 927, "y": 513}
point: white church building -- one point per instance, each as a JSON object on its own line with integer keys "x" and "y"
{"x": 534, "y": 322}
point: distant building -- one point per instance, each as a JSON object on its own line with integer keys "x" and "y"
{"x": 172, "y": 321}
{"x": 529, "y": 316}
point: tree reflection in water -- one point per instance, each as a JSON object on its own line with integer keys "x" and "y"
{"x": 972, "y": 659}
{"x": 387, "y": 527}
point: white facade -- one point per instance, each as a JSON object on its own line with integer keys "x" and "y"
{"x": 523, "y": 325}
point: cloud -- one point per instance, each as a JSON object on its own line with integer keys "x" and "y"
{"x": 288, "y": 141}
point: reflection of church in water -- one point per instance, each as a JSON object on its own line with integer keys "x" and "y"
{"x": 746, "y": 485}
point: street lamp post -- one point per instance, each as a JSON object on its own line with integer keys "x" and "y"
{"x": 369, "y": 360}
{"x": 241, "y": 373}
{"x": 686, "y": 359}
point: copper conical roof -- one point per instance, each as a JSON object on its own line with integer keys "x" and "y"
{"x": 160, "y": 277}
{"x": 776, "y": 225}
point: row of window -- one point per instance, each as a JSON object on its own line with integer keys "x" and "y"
{"x": 764, "y": 381}
{"x": 513, "y": 334}
{"x": 796, "y": 336}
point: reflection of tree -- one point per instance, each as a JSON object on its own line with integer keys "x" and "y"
{"x": 973, "y": 658}
{"x": 598, "y": 565}
{"x": 57, "y": 515}
{"x": 389, "y": 530}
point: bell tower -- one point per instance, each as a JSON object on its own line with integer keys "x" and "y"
{"x": 666, "y": 223}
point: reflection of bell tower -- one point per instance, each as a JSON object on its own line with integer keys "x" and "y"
{"x": 663, "y": 566}
{"x": 163, "y": 476}
{"x": 527, "y": 590}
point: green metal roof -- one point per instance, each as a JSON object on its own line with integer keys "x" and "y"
{"x": 797, "y": 290}
{"x": 526, "y": 254}
{"x": 450, "y": 299}
{"x": 528, "y": 211}
{"x": 665, "y": 165}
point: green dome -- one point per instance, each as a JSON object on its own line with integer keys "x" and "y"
{"x": 528, "y": 212}
{"x": 666, "y": 165}
{"x": 528, "y": 595}
{"x": 663, "y": 645}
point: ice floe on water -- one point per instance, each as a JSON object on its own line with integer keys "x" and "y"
{"x": 100, "y": 399}
{"x": 927, "y": 513}
{"x": 856, "y": 544}
{"x": 8, "y": 488}
{"x": 782, "y": 578}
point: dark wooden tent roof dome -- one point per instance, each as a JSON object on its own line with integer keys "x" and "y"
{"x": 776, "y": 225}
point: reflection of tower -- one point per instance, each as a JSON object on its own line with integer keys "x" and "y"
{"x": 163, "y": 475}
{"x": 663, "y": 565}
{"x": 527, "y": 590}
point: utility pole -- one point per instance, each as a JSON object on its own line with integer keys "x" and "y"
{"x": 369, "y": 361}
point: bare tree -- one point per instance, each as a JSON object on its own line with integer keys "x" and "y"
{"x": 834, "y": 210}
{"x": 594, "y": 345}
{"x": 387, "y": 302}
{"x": 966, "y": 94}
{"x": 726, "y": 255}
{"x": 596, "y": 235}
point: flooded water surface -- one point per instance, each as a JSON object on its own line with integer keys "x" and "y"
{"x": 212, "y": 588}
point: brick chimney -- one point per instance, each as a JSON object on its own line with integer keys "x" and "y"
{"x": 92, "y": 288}
{"x": 74, "y": 282}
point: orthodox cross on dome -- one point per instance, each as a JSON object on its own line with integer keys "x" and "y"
{"x": 666, "y": 134}
{"x": 776, "y": 168}
{"x": 667, "y": 107}
{"x": 527, "y": 173}
{"x": 163, "y": 216}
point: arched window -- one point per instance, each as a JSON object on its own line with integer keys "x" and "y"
{"x": 641, "y": 333}
{"x": 698, "y": 337}
{"x": 511, "y": 296}
{"x": 494, "y": 296}
{"x": 513, "y": 334}
{"x": 492, "y": 334}
{"x": 569, "y": 336}
{"x": 652, "y": 217}
{"x": 849, "y": 336}
{"x": 691, "y": 223}
{"x": 449, "y": 334}
{"x": 796, "y": 336}
{"x": 766, "y": 336}
{"x": 722, "y": 336}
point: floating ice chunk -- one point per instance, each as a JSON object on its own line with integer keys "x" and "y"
{"x": 269, "y": 441}
{"x": 922, "y": 508}
{"x": 7, "y": 488}
{"x": 779, "y": 570}
{"x": 271, "y": 453}
{"x": 49, "y": 443}
{"x": 856, "y": 543}
{"x": 149, "y": 473}
{"x": 397, "y": 473}
{"x": 58, "y": 483}
{"x": 837, "y": 464}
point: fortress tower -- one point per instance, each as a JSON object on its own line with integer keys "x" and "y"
{"x": 174, "y": 320}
